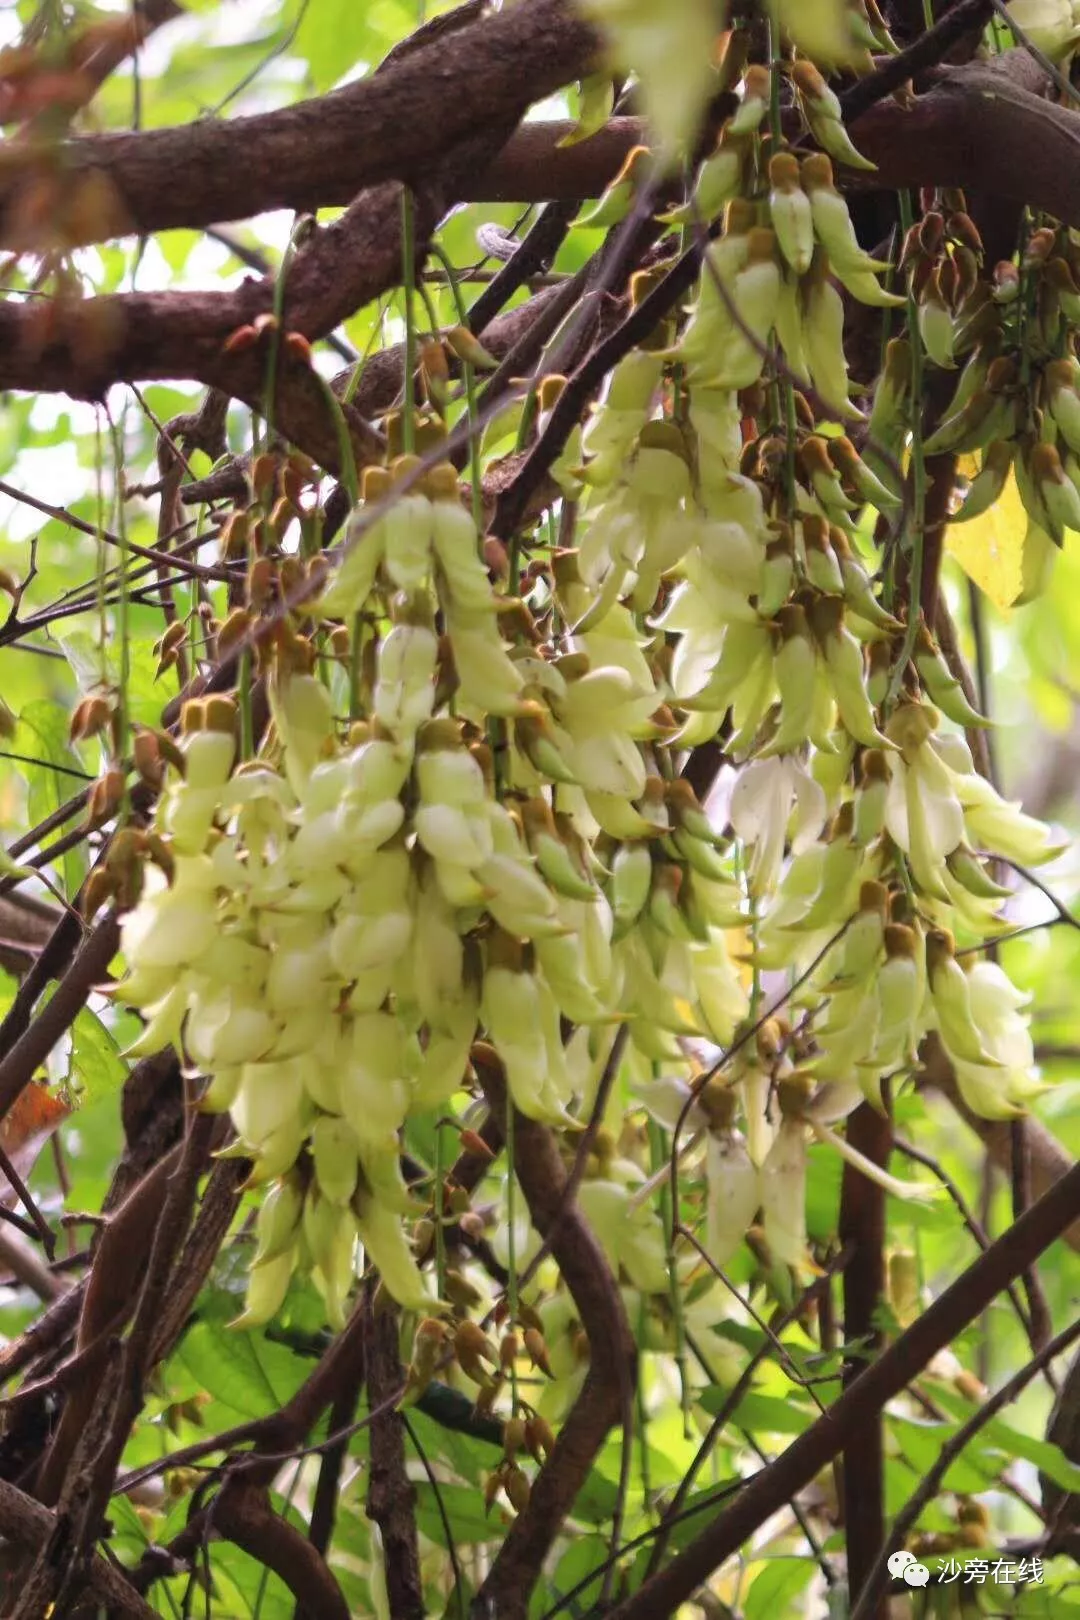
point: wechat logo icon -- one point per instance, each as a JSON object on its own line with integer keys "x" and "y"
{"x": 906, "y": 1564}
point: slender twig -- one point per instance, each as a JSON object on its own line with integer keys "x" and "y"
{"x": 41, "y": 1227}
{"x": 967, "y": 1215}
{"x": 1063, "y": 83}
{"x": 951, "y": 1449}
{"x": 927, "y": 51}
{"x": 673, "y": 1513}
{"x": 961, "y": 1303}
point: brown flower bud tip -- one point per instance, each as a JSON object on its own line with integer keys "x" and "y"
{"x": 97, "y": 715}
{"x": 260, "y": 582}
{"x": 784, "y": 171}
{"x": 266, "y": 322}
{"x": 719, "y": 1103}
{"x": 146, "y": 753}
{"x": 1006, "y": 276}
{"x": 948, "y": 281}
{"x": 298, "y": 348}
{"x": 233, "y": 631}
{"x": 293, "y": 484}
{"x": 264, "y": 471}
{"x": 291, "y": 575}
{"x": 528, "y": 1317}
{"x": 455, "y": 1197}
{"x": 761, "y": 244}
{"x": 539, "y": 1436}
{"x": 967, "y": 273}
{"x": 340, "y": 642}
{"x": 492, "y": 1487}
{"x": 170, "y": 753}
{"x": 931, "y": 230}
{"x": 281, "y": 516}
{"x": 513, "y": 1436}
{"x": 509, "y": 1350}
{"x": 496, "y": 558}
{"x": 221, "y": 713}
{"x": 807, "y": 79}
{"x": 235, "y": 533}
{"x": 963, "y": 229}
{"x": 175, "y": 635}
{"x": 127, "y": 844}
{"x": 430, "y": 1331}
{"x": 472, "y": 1225}
{"x": 814, "y": 456}
{"x": 433, "y": 360}
{"x": 1046, "y": 465}
{"x": 98, "y": 890}
{"x": 240, "y": 339}
{"x": 769, "y": 1040}
{"x": 1060, "y": 276}
{"x": 803, "y": 411}
{"x": 106, "y": 796}
{"x": 536, "y": 1347}
{"x": 972, "y": 1388}
{"x": 161, "y": 855}
{"x": 471, "y": 1142}
{"x": 516, "y": 1488}
{"x": 816, "y": 170}
{"x": 1040, "y": 245}
{"x": 470, "y": 1338}
{"x": 911, "y": 252}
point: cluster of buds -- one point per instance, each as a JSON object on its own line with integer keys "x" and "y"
{"x": 496, "y": 857}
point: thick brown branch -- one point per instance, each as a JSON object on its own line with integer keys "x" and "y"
{"x": 951, "y": 1312}
{"x": 609, "y": 1384}
{"x": 862, "y": 1232}
{"x": 243, "y": 1514}
{"x": 386, "y": 127}
{"x": 391, "y": 1496}
{"x": 29, "y": 1526}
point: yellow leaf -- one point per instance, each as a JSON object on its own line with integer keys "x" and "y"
{"x": 990, "y": 549}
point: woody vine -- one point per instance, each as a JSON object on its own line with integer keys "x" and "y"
{"x": 550, "y": 868}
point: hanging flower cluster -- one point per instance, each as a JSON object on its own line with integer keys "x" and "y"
{"x": 469, "y": 822}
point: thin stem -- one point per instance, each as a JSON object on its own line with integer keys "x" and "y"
{"x": 917, "y": 514}
{"x": 408, "y": 288}
{"x": 950, "y": 1451}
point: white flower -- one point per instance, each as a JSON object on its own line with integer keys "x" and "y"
{"x": 767, "y": 793}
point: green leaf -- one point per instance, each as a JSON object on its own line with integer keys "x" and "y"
{"x": 768, "y": 1413}
{"x": 337, "y": 35}
{"x": 577, "y": 1563}
{"x": 778, "y": 1582}
{"x": 1003, "y": 1438}
{"x": 242, "y": 1370}
{"x": 921, "y": 1444}
{"x": 466, "y": 1457}
{"x": 464, "y": 1509}
{"x": 43, "y": 734}
{"x": 96, "y": 1065}
{"x": 247, "y": 1587}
